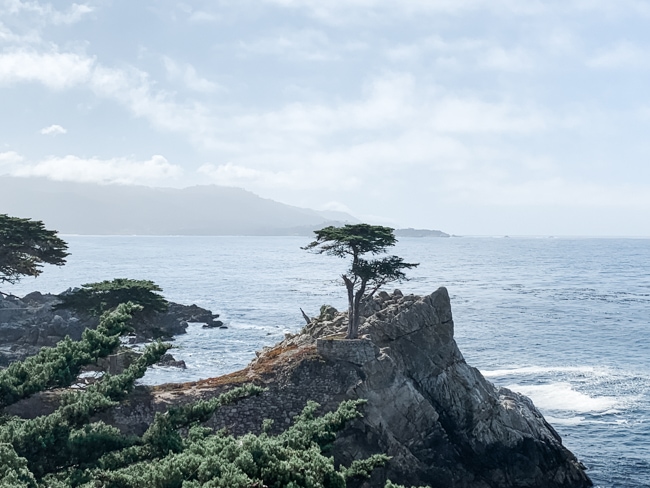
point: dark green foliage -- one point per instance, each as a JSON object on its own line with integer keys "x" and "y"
{"x": 64, "y": 449}
{"x": 362, "y": 468}
{"x": 206, "y": 459}
{"x": 66, "y": 437}
{"x": 390, "y": 484}
{"x": 30, "y": 449}
{"x": 58, "y": 366}
{"x": 365, "y": 276}
{"x": 97, "y": 298}
{"x": 354, "y": 239}
{"x": 14, "y": 472}
{"x": 25, "y": 245}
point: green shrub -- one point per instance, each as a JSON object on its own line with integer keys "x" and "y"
{"x": 97, "y": 298}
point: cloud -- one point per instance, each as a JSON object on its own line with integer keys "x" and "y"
{"x": 622, "y": 55}
{"x": 45, "y": 11}
{"x": 465, "y": 52}
{"x": 471, "y": 115}
{"x": 134, "y": 90}
{"x": 319, "y": 174}
{"x": 513, "y": 60}
{"x": 197, "y": 16}
{"x": 129, "y": 87}
{"x": 95, "y": 170}
{"x": 334, "y": 10}
{"x": 345, "y": 11}
{"x": 395, "y": 125}
{"x": 53, "y": 130}
{"x": 235, "y": 175}
{"x": 335, "y": 206}
{"x": 54, "y": 70}
{"x": 303, "y": 45}
{"x": 391, "y": 104}
{"x": 10, "y": 159}
{"x": 10, "y": 37}
{"x": 186, "y": 74}
{"x": 497, "y": 190}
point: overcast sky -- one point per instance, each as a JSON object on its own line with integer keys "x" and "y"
{"x": 469, "y": 116}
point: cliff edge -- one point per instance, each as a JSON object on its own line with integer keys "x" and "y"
{"x": 444, "y": 425}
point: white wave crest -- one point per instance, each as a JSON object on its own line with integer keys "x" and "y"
{"x": 536, "y": 370}
{"x": 562, "y": 397}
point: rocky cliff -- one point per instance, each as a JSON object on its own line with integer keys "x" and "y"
{"x": 444, "y": 425}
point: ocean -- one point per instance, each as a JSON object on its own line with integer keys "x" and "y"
{"x": 566, "y": 321}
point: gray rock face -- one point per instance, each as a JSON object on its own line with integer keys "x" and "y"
{"x": 355, "y": 351}
{"x": 443, "y": 423}
{"x": 29, "y": 323}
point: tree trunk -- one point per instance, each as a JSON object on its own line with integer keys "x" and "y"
{"x": 353, "y": 327}
{"x": 305, "y": 316}
{"x": 350, "y": 287}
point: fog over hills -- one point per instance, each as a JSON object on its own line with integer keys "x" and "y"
{"x": 86, "y": 208}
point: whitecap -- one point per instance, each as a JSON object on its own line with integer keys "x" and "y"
{"x": 564, "y": 420}
{"x": 537, "y": 370}
{"x": 561, "y": 396}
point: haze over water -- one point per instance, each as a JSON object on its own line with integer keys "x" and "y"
{"x": 564, "y": 321}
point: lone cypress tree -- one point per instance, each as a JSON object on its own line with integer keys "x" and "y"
{"x": 365, "y": 276}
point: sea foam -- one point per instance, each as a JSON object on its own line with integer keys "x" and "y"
{"x": 562, "y": 397}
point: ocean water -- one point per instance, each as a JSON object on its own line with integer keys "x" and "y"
{"x": 564, "y": 321}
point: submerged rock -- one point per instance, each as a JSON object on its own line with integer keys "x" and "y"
{"x": 214, "y": 324}
{"x": 443, "y": 424}
{"x": 171, "y": 362}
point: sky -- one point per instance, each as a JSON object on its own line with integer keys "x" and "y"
{"x": 476, "y": 117}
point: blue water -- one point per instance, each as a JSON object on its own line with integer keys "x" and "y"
{"x": 564, "y": 321}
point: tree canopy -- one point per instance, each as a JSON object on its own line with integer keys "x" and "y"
{"x": 365, "y": 276}
{"x": 25, "y": 245}
{"x": 97, "y": 298}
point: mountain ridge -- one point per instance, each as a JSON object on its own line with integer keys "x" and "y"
{"x": 84, "y": 208}
{"x": 76, "y": 208}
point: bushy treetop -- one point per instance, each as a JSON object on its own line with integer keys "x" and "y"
{"x": 352, "y": 240}
{"x": 97, "y": 298}
{"x": 25, "y": 245}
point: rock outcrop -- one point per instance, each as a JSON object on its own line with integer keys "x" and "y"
{"x": 444, "y": 425}
{"x": 29, "y": 323}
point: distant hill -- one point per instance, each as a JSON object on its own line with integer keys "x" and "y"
{"x": 419, "y": 233}
{"x": 84, "y": 208}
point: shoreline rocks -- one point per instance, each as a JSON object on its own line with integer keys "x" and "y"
{"x": 29, "y": 323}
